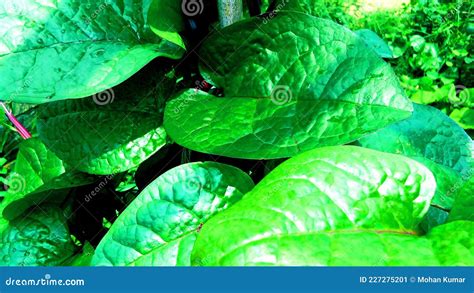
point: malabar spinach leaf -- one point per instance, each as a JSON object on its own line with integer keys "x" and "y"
{"x": 160, "y": 226}
{"x": 110, "y": 134}
{"x": 307, "y": 210}
{"x": 453, "y": 243}
{"x": 74, "y": 48}
{"x": 39, "y": 176}
{"x": 463, "y": 206}
{"x": 447, "y": 180}
{"x": 291, "y": 84}
{"x": 39, "y": 238}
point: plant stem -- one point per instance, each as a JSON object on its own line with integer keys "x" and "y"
{"x": 19, "y": 127}
{"x": 230, "y": 11}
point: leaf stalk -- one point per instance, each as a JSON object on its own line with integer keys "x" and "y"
{"x": 25, "y": 134}
{"x": 230, "y": 11}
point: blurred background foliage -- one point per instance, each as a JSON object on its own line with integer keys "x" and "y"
{"x": 432, "y": 42}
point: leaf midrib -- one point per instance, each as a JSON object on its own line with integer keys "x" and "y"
{"x": 309, "y": 100}
{"x": 330, "y": 232}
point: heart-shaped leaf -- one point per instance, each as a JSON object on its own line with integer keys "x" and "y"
{"x": 166, "y": 19}
{"x": 39, "y": 238}
{"x": 328, "y": 206}
{"x": 160, "y": 226}
{"x": 74, "y": 48}
{"x": 110, "y": 133}
{"x": 291, "y": 84}
{"x": 39, "y": 176}
{"x": 432, "y": 138}
{"x": 376, "y": 43}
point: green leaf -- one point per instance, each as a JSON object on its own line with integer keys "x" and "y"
{"x": 329, "y": 206}
{"x": 434, "y": 217}
{"x": 427, "y": 97}
{"x": 376, "y": 43}
{"x": 72, "y": 49}
{"x": 39, "y": 176}
{"x": 447, "y": 180}
{"x": 108, "y": 134}
{"x": 427, "y": 134}
{"x": 464, "y": 117}
{"x": 39, "y": 238}
{"x": 324, "y": 88}
{"x": 159, "y": 227}
{"x": 166, "y": 20}
{"x": 453, "y": 243}
{"x": 447, "y": 245}
{"x": 435, "y": 140}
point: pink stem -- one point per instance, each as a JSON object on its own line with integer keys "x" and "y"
{"x": 19, "y": 127}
